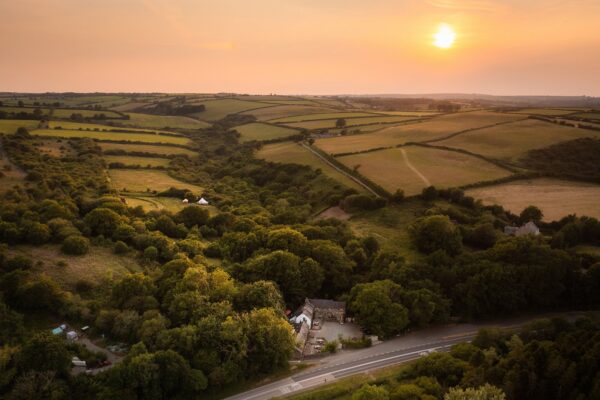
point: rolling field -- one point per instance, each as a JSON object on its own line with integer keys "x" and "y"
{"x": 99, "y": 135}
{"x": 260, "y": 131}
{"x": 420, "y": 167}
{"x": 556, "y": 198}
{"x": 510, "y": 141}
{"x": 330, "y": 123}
{"x": 545, "y": 111}
{"x": 67, "y": 112}
{"x": 133, "y": 180}
{"x": 274, "y": 112}
{"x": 10, "y": 126}
{"x": 218, "y": 109}
{"x": 141, "y": 161}
{"x": 288, "y": 152}
{"x": 162, "y": 121}
{"x": 146, "y": 148}
{"x": 318, "y": 116}
{"x": 588, "y": 115}
{"x": 433, "y": 128}
{"x": 86, "y": 126}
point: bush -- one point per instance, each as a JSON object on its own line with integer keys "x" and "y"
{"x": 151, "y": 253}
{"x": 75, "y": 245}
{"x": 18, "y": 262}
{"x": 121, "y": 247}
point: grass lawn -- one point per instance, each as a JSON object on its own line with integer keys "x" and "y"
{"x": 146, "y": 148}
{"x": 318, "y": 116}
{"x": 10, "y": 126}
{"x": 162, "y": 121}
{"x": 422, "y": 167}
{"x": 260, "y": 131}
{"x": 53, "y": 147}
{"x": 268, "y": 113}
{"x": 556, "y": 198}
{"x": 134, "y": 180}
{"x": 218, "y": 109}
{"x": 289, "y": 152}
{"x": 100, "y": 263}
{"x": 142, "y": 161}
{"x": 434, "y": 128}
{"x": 511, "y": 141}
{"x": 100, "y": 135}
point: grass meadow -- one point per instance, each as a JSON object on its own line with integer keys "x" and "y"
{"x": 421, "y": 167}
{"x": 433, "y": 128}
{"x": 260, "y": 131}
{"x": 99, "y": 135}
{"x": 141, "y": 161}
{"x": 146, "y": 148}
{"x": 319, "y": 116}
{"x": 136, "y": 180}
{"x": 288, "y": 110}
{"x": 99, "y": 264}
{"x": 511, "y": 141}
{"x": 289, "y": 152}
{"x": 162, "y": 122}
{"x": 220, "y": 108}
{"x": 556, "y": 198}
{"x": 350, "y": 122}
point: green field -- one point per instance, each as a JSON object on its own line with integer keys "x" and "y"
{"x": 218, "y": 109}
{"x": 274, "y": 112}
{"x": 545, "y": 111}
{"x": 10, "y": 126}
{"x": 331, "y": 123}
{"x": 86, "y": 126}
{"x": 260, "y": 131}
{"x": 99, "y": 264}
{"x": 511, "y": 141}
{"x": 556, "y": 198}
{"x": 162, "y": 122}
{"x": 99, "y": 135}
{"x": 587, "y": 115}
{"x": 135, "y": 180}
{"x": 318, "y": 116}
{"x": 292, "y": 153}
{"x": 436, "y": 127}
{"x": 141, "y": 161}
{"x": 421, "y": 167}
{"x": 150, "y": 203}
{"x": 146, "y": 148}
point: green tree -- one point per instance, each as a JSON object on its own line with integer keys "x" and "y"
{"x": 192, "y": 215}
{"x": 45, "y": 352}
{"x": 102, "y": 221}
{"x": 371, "y": 392}
{"x": 531, "y": 213}
{"x": 486, "y": 392}
{"x": 340, "y": 123}
{"x": 76, "y": 245}
{"x": 436, "y": 232}
{"x": 377, "y": 309}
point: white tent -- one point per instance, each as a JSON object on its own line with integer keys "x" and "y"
{"x": 185, "y": 200}
{"x": 203, "y": 201}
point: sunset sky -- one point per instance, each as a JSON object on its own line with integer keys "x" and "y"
{"x": 300, "y": 46}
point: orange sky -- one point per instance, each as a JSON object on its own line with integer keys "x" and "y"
{"x": 300, "y": 46}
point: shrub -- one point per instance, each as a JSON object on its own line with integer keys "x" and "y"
{"x": 18, "y": 262}
{"x": 75, "y": 245}
{"x": 121, "y": 247}
{"x": 151, "y": 253}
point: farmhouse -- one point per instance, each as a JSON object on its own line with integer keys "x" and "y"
{"x": 313, "y": 311}
{"x": 528, "y": 229}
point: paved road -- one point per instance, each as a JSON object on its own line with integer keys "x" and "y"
{"x": 395, "y": 351}
{"x": 341, "y": 171}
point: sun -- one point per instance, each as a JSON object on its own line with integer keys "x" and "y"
{"x": 444, "y": 37}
